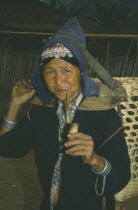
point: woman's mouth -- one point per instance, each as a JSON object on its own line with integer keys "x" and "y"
{"x": 61, "y": 91}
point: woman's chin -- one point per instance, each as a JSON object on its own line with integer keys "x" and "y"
{"x": 61, "y": 97}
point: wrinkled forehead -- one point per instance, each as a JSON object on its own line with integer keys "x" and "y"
{"x": 60, "y": 64}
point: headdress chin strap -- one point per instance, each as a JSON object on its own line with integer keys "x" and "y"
{"x": 113, "y": 84}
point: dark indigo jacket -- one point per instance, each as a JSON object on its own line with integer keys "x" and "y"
{"x": 78, "y": 180}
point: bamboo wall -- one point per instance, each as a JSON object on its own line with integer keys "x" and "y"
{"x": 129, "y": 110}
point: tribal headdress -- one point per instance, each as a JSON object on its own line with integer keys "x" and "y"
{"x": 57, "y": 51}
{"x": 63, "y": 49}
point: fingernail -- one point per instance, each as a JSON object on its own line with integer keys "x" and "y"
{"x": 66, "y": 152}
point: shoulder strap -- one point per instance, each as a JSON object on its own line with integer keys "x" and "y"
{"x": 113, "y": 84}
{"x": 107, "y": 99}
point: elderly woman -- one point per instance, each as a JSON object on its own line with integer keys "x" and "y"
{"x": 83, "y": 169}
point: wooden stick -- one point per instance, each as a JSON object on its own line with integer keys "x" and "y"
{"x": 87, "y": 35}
{"x": 67, "y": 101}
{"x": 67, "y": 107}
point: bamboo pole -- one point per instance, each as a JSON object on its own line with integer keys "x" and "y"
{"x": 67, "y": 108}
{"x": 87, "y": 35}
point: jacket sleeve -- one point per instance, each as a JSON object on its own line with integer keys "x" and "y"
{"x": 116, "y": 152}
{"x": 17, "y": 142}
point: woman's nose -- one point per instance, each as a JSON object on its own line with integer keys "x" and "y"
{"x": 59, "y": 79}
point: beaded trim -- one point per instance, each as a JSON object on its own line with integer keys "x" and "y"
{"x": 57, "y": 51}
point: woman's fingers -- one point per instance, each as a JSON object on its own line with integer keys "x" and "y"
{"x": 79, "y": 148}
{"x": 25, "y": 85}
{"x": 22, "y": 91}
{"x": 79, "y": 135}
{"x": 18, "y": 83}
{"x": 79, "y": 138}
{"x": 79, "y": 153}
{"x": 84, "y": 152}
{"x": 79, "y": 142}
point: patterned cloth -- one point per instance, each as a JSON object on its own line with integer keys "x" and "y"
{"x": 56, "y": 179}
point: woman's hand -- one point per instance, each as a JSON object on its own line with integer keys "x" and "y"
{"x": 22, "y": 92}
{"x": 80, "y": 144}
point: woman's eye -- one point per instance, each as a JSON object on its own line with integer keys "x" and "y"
{"x": 67, "y": 70}
{"x": 49, "y": 71}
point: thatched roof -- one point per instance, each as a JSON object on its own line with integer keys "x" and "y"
{"x": 36, "y": 16}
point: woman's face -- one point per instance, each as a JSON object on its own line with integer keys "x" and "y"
{"x": 62, "y": 78}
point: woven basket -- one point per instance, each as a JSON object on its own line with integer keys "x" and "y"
{"x": 129, "y": 111}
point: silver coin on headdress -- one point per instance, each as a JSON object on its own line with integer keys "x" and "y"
{"x": 51, "y": 55}
{"x": 46, "y": 55}
{"x": 63, "y": 54}
{"x": 70, "y": 55}
{"x": 52, "y": 48}
{"x": 57, "y": 54}
{"x": 64, "y": 48}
